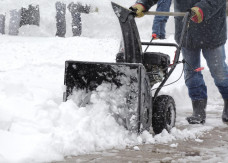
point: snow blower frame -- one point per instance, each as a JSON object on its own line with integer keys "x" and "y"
{"x": 136, "y": 72}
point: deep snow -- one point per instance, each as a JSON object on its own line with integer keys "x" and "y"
{"x": 36, "y": 126}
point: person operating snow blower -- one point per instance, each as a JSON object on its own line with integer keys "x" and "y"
{"x": 207, "y": 32}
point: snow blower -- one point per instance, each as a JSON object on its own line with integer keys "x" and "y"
{"x": 135, "y": 73}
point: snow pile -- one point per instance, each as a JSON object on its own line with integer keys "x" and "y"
{"x": 121, "y": 98}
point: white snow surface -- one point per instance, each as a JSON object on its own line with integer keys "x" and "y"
{"x": 37, "y": 126}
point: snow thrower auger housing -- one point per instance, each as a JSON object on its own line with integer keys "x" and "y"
{"x": 134, "y": 73}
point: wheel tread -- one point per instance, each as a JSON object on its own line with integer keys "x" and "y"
{"x": 160, "y": 107}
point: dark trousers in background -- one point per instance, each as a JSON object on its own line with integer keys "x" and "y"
{"x": 75, "y": 10}
{"x": 20, "y": 17}
{"x": 14, "y": 23}
{"x": 2, "y": 23}
{"x": 159, "y": 23}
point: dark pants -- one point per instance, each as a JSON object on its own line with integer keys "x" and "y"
{"x": 14, "y": 24}
{"x": 75, "y": 10}
{"x": 215, "y": 59}
{"x": 2, "y": 24}
{"x": 159, "y": 23}
{"x": 60, "y": 19}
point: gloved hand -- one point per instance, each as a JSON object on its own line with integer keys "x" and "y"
{"x": 139, "y": 8}
{"x": 197, "y": 14}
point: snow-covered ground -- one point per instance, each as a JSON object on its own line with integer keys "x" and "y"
{"x": 36, "y": 126}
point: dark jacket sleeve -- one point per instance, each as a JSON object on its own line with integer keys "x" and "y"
{"x": 210, "y": 7}
{"x": 147, "y": 3}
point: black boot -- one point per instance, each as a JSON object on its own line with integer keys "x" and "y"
{"x": 199, "y": 112}
{"x": 225, "y": 111}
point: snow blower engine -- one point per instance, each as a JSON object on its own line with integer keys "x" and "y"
{"x": 126, "y": 85}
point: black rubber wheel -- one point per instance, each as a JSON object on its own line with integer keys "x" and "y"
{"x": 164, "y": 114}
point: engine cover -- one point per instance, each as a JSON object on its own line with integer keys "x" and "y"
{"x": 156, "y": 58}
{"x": 156, "y": 65}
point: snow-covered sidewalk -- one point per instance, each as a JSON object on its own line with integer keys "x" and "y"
{"x": 36, "y": 126}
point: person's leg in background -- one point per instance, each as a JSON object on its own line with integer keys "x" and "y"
{"x": 197, "y": 89}
{"x": 216, "y": 61}
{"x": 30, "y": 15}
{"x": 2, "y": 23}
{"x": 14, "y": 23}
{"x": 60, "y": 19}
{"x": 76, "y": 10}
{"x": 159, "y": 22}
